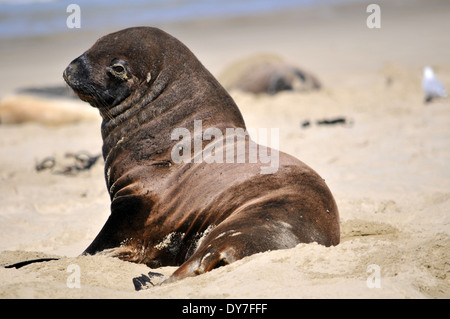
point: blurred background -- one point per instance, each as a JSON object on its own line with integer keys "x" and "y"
{"x": 37, "y": 44}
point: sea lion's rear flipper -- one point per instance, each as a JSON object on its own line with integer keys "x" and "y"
{"x": 145, "y": 282}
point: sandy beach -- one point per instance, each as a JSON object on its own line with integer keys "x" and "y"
{"x": 388, "y": 165}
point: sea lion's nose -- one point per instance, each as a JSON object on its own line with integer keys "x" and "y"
{"x": 75, "y": 67}
{"x": 70, "y": 70}
{"x": 66, "y": 74}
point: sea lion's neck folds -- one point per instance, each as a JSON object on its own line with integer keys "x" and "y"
{"x": 139, "y": 102}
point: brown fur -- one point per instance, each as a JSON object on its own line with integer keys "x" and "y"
{"x": 196, "y": 215}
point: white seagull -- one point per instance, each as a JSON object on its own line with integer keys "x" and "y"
{"x": 431, "y": 85}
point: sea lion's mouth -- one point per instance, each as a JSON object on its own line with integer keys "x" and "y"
{"x": 86, "y": 98}
{"x": 79, "y": 88}
{"x": 74, "y": 85}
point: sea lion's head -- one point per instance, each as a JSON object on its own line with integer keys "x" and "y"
{"x": 122, "y": 65}
{"x": 139, "y": 73}
{"x": 101, "y": 83}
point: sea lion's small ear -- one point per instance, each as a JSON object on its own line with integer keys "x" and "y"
{"x": 149, "y": 77}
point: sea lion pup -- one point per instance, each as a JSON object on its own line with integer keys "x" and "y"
{"x": 199, "y": 215}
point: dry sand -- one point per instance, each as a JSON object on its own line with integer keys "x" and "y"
{"x": 388, "y": 167}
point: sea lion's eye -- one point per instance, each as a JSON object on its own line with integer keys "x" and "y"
{"x": 118, "y": 70}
